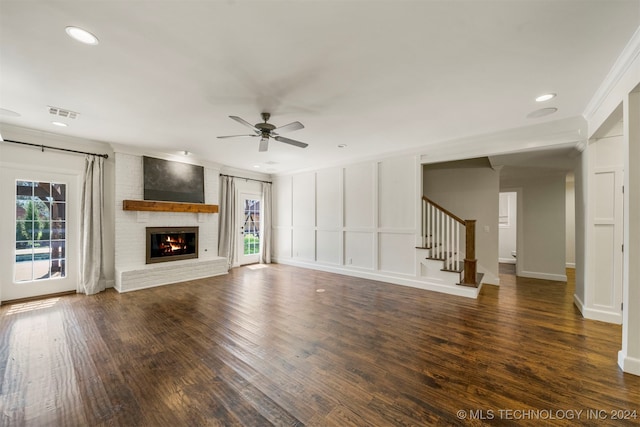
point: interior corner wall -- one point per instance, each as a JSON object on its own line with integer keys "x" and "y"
{"x": 622, "y": 88}
{"x": 580, "y": 174}
{"x": 629, "y": 355}
{"x": 570, "y": 223}
{"x": 543, "y": 224}
{"x": 471, "y": 193}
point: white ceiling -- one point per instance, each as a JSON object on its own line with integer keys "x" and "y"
{"x": 379, "y": 76}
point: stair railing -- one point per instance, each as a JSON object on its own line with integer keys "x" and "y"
{"x": 441, "y": 232}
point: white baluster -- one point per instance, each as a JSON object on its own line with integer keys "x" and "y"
{"x": 457, "y": 245}
{"x": 436, "y": 234}
{"x": 428, "y": 223}
{"x": 450, "y": 252}
{"x": 441, "y": 238}
{"x": 424, "y": 223}
{"x": 447, "y": 239}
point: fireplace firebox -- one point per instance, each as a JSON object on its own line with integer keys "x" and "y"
{"x": 171, "y": 243}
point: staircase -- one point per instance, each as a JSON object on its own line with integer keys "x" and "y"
{"x": 444, "y": 255}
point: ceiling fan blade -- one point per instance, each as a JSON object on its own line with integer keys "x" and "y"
{"x": 291, "y": 141}
{"x": 244, "y": 122}
{"x": 290, "y": 127}
{"x": 264, "y": 144}
{"x": 237, "y": 136}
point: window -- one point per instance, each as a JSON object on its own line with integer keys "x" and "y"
{"x": 251, "y": 226}
{"x": 40, "y": 231}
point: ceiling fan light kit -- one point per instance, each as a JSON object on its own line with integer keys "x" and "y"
{"x": 266, "y": 130}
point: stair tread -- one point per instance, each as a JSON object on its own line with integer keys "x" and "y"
{"x": 454, "y": 269}
{"x": 442, "y": 257}
{"x": 479, "y": 277}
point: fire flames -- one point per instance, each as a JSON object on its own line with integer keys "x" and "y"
{"x": 172, "y": 244}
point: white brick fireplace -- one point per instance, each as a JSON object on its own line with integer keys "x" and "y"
{"x": 132, "y": 272}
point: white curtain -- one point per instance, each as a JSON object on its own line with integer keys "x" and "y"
{"x": 228, "y": 230}
{"x": 92, "y": 278}
{"x": 265, "y": 248}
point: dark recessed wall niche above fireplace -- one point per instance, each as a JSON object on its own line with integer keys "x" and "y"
{"x": 171, "y": 243}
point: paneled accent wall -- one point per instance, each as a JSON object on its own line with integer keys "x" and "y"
{"x": 361, "y": 219}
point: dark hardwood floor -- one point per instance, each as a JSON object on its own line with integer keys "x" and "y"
{"x": 262, "y": 346}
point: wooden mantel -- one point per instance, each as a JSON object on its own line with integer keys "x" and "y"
{"x": 157, "y": 206}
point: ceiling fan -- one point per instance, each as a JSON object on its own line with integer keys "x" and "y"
{"x": 267, "y": 130}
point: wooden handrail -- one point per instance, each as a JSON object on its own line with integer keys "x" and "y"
{"x": 437, "y": 206}
{"x": 469, "y": 277}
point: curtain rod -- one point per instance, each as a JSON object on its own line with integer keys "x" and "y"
{"x": 247, "y": 179}
{"x": 42, "y": 147}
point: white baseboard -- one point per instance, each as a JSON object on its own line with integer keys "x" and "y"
{"x": 490, "y": 279}
{"x": 507, "y": 260}
{"x": 596, "y": 314}
{"x": 543, "y": 276}
{"x": 578, "y": 302}
{"x": 630, "y": 365}
{"x": 570, "y": 265}
{"x": 404, "y": 280}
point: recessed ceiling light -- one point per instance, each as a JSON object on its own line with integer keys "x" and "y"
{"x": 81, "y": 35}
{"x": 541, "y": 112}
{"x": 545, "y": 97}
{"x": 256, "y": 166}
{"x": 64, "y": 125}
{"x": 342, "y": 145}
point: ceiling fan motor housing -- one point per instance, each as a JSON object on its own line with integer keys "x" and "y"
{"x": 265, "y": 127}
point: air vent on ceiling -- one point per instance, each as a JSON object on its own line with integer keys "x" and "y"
{"x": 56, "y": 111}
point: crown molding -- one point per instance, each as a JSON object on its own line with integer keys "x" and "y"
{"x": 629, "y": 54}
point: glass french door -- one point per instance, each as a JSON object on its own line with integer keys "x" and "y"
{"x": 40, "y": 248}
{"x": 250, "y": 223}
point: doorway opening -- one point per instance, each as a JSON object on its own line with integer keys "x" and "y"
{"x": 507, "y": 228}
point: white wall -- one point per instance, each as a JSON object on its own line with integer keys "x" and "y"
{"x": 507, "y": 226}
{"x": 358, "y": 217}
{"x": 30, "y": 161}
{"x": 361, "y": 219}
{"x": 470, "y": 193}
{"x": 130, "y": 226}
{"x": 621, "y": 87}
{"x": 580, "y": 174}
{"x": 570, "y": 221}
{"x": 541, "y": 248}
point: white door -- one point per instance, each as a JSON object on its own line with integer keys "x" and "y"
{"x": 507, "y": 227}
{"x": 607, "y": 231}
{"x": 250, "y": 223}
{"x": 39, "y": 253}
